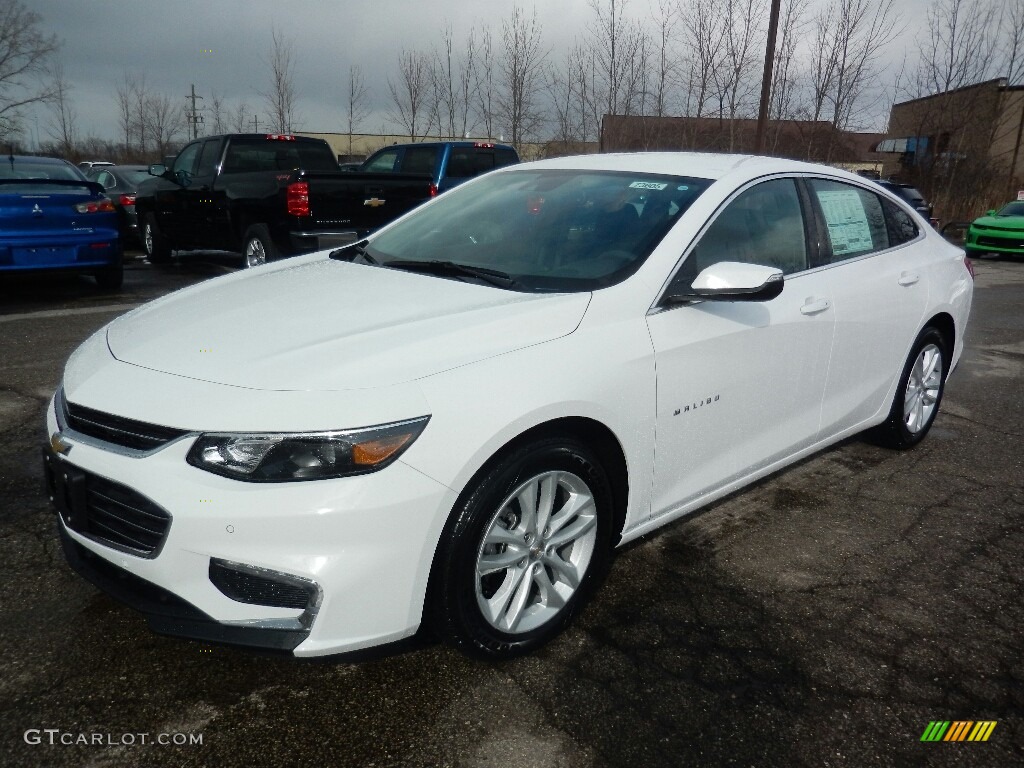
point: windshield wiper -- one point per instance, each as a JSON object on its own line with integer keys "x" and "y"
{"x": 350, "y": 252}
{"x": 453, "y": 269}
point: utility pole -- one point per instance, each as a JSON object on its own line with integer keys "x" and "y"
{"x": 194, "y": 117}
{"x": 766, "y": 80}
{"x": 255, "y": 123}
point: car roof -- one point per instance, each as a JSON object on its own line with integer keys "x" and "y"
{"x": 37, "y": 159}
{"x": 703, "y": 165}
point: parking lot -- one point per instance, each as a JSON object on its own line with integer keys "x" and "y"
{"x": 823, "y": 617}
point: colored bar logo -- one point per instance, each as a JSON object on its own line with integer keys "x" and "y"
{"x": 958, "y": 730}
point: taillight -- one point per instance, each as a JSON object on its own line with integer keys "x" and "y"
{"x": 280, "y": 137}
{"x": 484, "y": 145}
{"x": 969, "y": 265}
{"x": 433, "y": 189}
{"x": 95, "y": 206}
{"x": 126, "y": 200}
{"x": 297, "y": 198}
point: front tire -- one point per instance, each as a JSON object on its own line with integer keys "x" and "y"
{"x": 918, "y": 394}
{"x": 153, "y": 242}
{"x": 259, "y": 246}
{"x": 527, "y": 544}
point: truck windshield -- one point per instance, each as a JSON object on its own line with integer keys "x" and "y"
{"x": 549, "y": 230}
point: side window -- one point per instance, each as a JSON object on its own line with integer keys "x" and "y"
{"x": 900, "y": 224}
{"x": 186, "y": 159}
{"x": 419, "y": 160}
{"x": 382, "y": 162}
{"x": 854, "y": 219}
{"x": 208, "y": 158}
{"x": 106, "y": 179}
{"x": 764, "y": 225}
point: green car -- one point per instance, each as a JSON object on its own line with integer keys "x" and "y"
{"x": 997, "y": 232}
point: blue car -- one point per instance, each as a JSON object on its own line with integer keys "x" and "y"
{"x": 53, "y": 218}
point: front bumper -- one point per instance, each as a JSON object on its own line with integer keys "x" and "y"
{"x": 364, "y": 543}
{"x": 994, "y": 241}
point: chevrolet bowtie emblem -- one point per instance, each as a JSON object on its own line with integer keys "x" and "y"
{"x": 36, "y": 210}
{"x": 374, "y": 202}
{"x": 59, "y": 444}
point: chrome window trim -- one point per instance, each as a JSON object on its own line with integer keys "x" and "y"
{"x": 657, "y": 307}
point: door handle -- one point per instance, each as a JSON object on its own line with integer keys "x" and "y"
{"x": 908, "y": 278}
{"x": 814, "y": 306}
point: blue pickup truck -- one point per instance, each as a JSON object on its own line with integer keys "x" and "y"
{"x": 448, "y": 163}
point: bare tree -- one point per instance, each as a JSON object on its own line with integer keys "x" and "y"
{"x": 619, "y": 47}
{"x": 25, "y": 53}
{"x": 239, "y": 120}
{"x": 485, "y": 83}
{"x": 125, "y": 111}
{"x": 959, "y": 47}
{"x": 848, "y": 38}
{"x": 453, "y": 79}
{"x": 734, "y": 83}
{"x": 665, "y": 63}
{"x": 704, "y": 34}
{"x": 410, "y": 94}
{"x": 63, "y": 116}
{"x": 166, "y": 119}
{"x": 141, "y": 101}
{"x": 1013, "y": 43}
{"x": 356, "y": 106}
{"x": 521, "y": 75}
{"x": 218, "y": 113}
{"x": 282, "y": 97}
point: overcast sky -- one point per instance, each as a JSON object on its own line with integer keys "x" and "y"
{"x": 166, "y": 41}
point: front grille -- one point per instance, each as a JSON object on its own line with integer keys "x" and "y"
{"x": 1002, "y": 242}
{"x": 127, "y": 433}
{"x": 119, "y": 516}
{"x": 246, "y": 587}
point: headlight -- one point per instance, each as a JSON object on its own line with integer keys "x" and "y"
{"x": 276, "y": 457}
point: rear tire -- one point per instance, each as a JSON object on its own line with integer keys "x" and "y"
{"x": 153, "y": 243}
{"x": 259, "y": 246}
{"x": 918, "y": 393}
{"x": 527, "y": 544}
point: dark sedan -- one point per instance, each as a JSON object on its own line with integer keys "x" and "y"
{"x": 53, "y": 218}
{"x": 121, "y": 182}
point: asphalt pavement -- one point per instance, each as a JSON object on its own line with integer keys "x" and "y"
{"x": 823, "y": 617}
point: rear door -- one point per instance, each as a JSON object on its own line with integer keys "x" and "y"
{"x": 875, "y": 263}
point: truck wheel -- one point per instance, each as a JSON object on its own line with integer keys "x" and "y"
{"x": 153, "y": 243}
{"x": 259, "y": 247}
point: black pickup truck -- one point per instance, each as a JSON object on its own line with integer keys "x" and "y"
{"x": 266, "y": 195}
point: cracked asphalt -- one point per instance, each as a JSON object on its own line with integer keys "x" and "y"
{"x": 822, "y": 617}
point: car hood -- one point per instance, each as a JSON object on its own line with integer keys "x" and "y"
{"x": 328, "y": 325}
{"x": 1000, "y": 222}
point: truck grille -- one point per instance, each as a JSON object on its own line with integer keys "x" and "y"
{"x": 118, "y": 430}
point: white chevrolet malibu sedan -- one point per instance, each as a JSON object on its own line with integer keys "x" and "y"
{"x": 452, "y": 424}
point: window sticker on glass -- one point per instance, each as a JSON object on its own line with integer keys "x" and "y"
{"x": 648, "y": 185}
{"x": 847, "y": 221}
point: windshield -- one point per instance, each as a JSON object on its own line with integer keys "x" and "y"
{"x": 548, "y": 230}
{"x": 1012, "y": 209}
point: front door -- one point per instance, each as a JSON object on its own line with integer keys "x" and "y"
{"x": 740, "y": 384}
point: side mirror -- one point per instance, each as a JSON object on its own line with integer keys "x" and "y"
{"x": 157, "y": 169}
{"x": 990, "y": 213}
{"x": 732, "y": 281}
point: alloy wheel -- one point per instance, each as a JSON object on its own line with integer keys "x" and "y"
{"x": 535, "y": 552}
{"x": 923, "y": 387}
